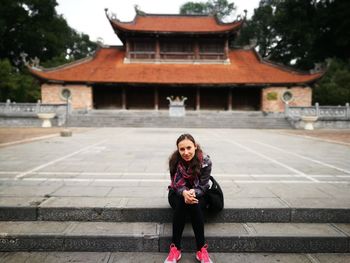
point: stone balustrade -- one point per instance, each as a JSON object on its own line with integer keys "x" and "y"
{"x": 329, "y": 117}
{"x": 21, "y": 113}
{"x": 321, "y": 112}
{"x": 15, "y": 108}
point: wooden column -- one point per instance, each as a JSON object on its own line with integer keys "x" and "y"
{"x": 196, "y": 50}
{"x": 156, "y": 99}
{"x": 127, "y": 49}
{"x": 198, "y": 99}
{"x": 229, "y": 99}
{"x": 124, "y": 98}
{"x": 226, "y": 48}
{"x": 157, "y": 49}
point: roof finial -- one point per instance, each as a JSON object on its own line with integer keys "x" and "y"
{"x": 106, "y": 12}
{"x": 138, "y": 11}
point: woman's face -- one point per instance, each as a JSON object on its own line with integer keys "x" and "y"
{"x": 186, "y": 149}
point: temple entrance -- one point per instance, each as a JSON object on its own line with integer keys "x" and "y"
{"x": 107, "y": 97}
{"x": 247, "y": 99}
{"x": 198, "y": 98}
{"x": 213, "y": 98}
{"x": 139, "y": 98}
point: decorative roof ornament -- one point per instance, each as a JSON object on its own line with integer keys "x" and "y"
{"x": 110, "y": 15}
{"x": 35, "y": 62}
{"x": 138, "y": 11}
{"x": 24, "y": 56}
{"x": 100, "y": 42}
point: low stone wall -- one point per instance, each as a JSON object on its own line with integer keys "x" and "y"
{"x": 25, "y": 114}
{"x": 328, "y": 117}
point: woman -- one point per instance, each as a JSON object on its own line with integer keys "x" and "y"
{"x": 189, "y": 171}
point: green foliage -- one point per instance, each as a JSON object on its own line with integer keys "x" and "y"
{"x": 8, "y": 80}
{"x": 300, "y": 33}
{"x": 17, "y": 85}
{"x": 222, "y": 8}
{"x": 334, "y": 87}
{"x": 33, "y": 27}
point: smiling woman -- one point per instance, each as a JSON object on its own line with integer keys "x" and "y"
{"x": 190, "y": 171}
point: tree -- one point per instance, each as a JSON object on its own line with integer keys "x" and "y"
{"x": 334, "y": 87}
{"x": 300, "y": 33}
{"x": 15, "y": 85}
{"x": 222, "y": 8}
{"x": 8, "y": 80}
{"x": 33, "y": 28}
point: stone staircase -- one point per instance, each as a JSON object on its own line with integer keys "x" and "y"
{"x": 141, "y": 229}
{"x": 193, "y": 119}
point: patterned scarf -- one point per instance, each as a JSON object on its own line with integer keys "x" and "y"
{"x": 185, "y": 177}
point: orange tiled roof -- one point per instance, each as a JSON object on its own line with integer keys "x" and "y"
{"x": 175, "y": 23}
{"x": 107, "y": 67}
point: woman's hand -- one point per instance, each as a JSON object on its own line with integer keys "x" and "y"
{"x": 190, "y": 196}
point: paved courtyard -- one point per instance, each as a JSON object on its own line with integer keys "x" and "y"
{"x": 127, "y": 167}
{"x": 122, "y": 166}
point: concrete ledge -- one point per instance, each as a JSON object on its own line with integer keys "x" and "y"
{"x": 149, "y": 237}
{"x": 105, "y": 214}
{"x": 18, "y": 213}
{"x": 112, "y": 243}
{"x": 164, "y": 215}
{"x": 319, "y": 215}
{"x": 266, "y": 244}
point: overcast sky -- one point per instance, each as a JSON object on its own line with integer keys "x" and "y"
{"x": 88, "y": 16}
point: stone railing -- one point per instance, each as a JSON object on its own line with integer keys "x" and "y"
{"x": 13, "y": 108}
{"x": 319, "y": 117}
{"x": 31, "y": 110}
{"x": 321, "y": 112}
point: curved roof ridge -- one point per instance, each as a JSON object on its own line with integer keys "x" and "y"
{"x": 284, "y": 67}
{"x": 74, "y": 63}
{"x": 66, "y": 65}
{"x": 174, "y": 23}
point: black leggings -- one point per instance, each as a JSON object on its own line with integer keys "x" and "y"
{"x": 181, "y": 209}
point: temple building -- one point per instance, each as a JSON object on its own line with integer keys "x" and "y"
{"x": 176, "y": 55}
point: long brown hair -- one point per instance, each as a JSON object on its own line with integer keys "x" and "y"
{"x": 175, "y": 157}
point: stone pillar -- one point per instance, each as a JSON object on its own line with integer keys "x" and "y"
{"x": 156, "y": 99}
{"x": 317, "y": 106}
{"x": 347, "y": 111}
{"x": 198, "y": 99}
{"x": 229, "y": 99}
{"x": 124, "y": 98}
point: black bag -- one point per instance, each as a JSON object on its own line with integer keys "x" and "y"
{"x": 215, "y": 196}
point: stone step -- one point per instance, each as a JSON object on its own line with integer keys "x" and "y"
{"x": 52, "y": 212}
{"x": 153, "y": 237}
{"x": 187, "y": 257}
{"x": 258, "y": 123}
{"x": 193, "y": 119}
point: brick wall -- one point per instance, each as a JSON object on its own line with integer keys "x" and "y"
{"x": 272, "y": 98}
{"x": 81, "y": 95}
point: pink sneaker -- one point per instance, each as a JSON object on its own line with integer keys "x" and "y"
{"x": 174, "y": 255}
{"x": 203, "y": 255}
